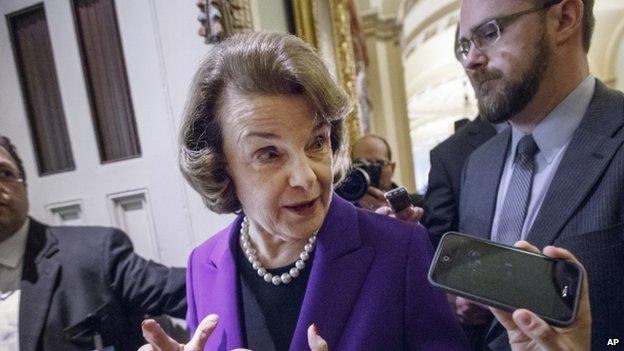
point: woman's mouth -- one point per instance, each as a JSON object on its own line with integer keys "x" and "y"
{"x": 303, "y": 208}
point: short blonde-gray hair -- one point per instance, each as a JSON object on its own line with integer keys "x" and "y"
{"x": 253, "y": 63}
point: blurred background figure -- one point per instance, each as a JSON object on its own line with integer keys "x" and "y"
{"x": 372, "y": 153}
{"x": 447, "y": 159}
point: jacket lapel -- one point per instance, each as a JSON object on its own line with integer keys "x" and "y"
{"x": 223, "y": 300}
{"x": 479, "y": 132}
{"x": 39, "y": 277}
{"x": 590, "y": 152}
{"x": 339, "y": 269}
{"x": 482, "y": 186}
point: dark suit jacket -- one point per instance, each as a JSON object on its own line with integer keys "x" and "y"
{"x": 441, "y": 201}
{"x": 71, "y": 272}
{"x": 583, "y": 210}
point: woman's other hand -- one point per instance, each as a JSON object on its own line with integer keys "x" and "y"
{"x": 528, "y": 332}
{"x": 160, "y": 341}
{"x": 315, "y": 341}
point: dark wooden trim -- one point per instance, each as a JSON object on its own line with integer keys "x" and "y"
{"x": 105, "y": 138}
{"x": 45, "y": 166}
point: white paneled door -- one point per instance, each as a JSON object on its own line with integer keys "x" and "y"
{"x": 145, "y": 196}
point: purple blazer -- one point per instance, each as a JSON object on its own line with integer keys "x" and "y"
{"x": 367, "y": 290}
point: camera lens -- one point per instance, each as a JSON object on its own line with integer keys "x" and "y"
{"x": 355, "y": 185}
{"x": 446, "y": 258}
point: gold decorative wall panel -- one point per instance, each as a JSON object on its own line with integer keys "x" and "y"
{"x": 343, "y": 47}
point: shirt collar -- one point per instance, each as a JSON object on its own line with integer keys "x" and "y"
{"x": 12, "y": 249}
{"x": 556, "y": 130}
{"x": 500, "y": 126}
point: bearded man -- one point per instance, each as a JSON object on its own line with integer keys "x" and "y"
{"x": 556, "y": 177}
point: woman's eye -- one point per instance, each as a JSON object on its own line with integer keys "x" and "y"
{"x": 319, "y": 143}
{"x": 267, "y": 155}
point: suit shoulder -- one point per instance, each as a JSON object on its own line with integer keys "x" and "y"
{"x": 86, "y": 236}
{"x": 452, "y": 143}
{"x": 460, "y": 141}
{"x": 485, "y": 150}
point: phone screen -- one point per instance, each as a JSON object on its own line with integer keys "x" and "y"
{"x": 507, "y": 278}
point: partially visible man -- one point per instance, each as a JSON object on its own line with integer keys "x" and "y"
{"x": 60, "y": 286}
{"x": 441, "y": 202}
{"x": 374, "y": 148}
{"x": 557, "y": 176}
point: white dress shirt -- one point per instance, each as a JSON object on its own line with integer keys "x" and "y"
{"x": 11, "y": 262}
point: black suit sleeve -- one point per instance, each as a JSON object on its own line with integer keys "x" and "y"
{"x": 142, "y": 286}
{"x": 440, "y": 203}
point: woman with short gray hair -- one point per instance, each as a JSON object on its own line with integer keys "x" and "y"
{"x": 299, "y": 268}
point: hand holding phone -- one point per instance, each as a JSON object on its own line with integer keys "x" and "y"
{"x": 507, "y": 278}
{"x": 527, "y": 331}
{"x": 398, "y": 199}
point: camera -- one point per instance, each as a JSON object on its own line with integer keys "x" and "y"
{"x": 363, "y": 173}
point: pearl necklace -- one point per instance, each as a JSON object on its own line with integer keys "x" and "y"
{"x": 285, "y": 278}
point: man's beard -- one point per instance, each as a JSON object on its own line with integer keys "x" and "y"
{"x": 497, "y": 106}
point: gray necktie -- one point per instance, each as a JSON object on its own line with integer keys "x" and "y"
{"x": 513, "y": 213}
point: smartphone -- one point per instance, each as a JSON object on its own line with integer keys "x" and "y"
{"x": 398, "y": 198}
{"x": 507, "y": 278}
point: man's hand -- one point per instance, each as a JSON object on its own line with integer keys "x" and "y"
{"x": 160, "y": 341}
{"x": 528, "y": 332}
{"x": 409, "y": 214}
{"x": 373, "y": 199}
{"x": 469, "y": 312}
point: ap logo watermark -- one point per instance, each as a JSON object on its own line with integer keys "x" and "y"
{"x": 613, "y": 342}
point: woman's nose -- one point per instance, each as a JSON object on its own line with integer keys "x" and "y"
{"x": 301, "y": 174}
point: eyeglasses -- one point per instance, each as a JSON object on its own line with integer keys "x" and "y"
{"x": 366, "y": 161}
{"x": 487, "y": 34}
{"x": 8, "y": 176}
{"x": 381, "y": 163}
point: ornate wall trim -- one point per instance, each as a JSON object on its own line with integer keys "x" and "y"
{"x": 306, "y": 14}
{"x": 242, "y": 21}
{"x": 382, "y": 28}
{"x": 343, "y": 44}
{"x": 408, "y": 40}
{"x": 305, "y": 20}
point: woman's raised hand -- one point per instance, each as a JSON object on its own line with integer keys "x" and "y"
{"x": 159, "y": 340}
{"x": 315, "y": 341}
